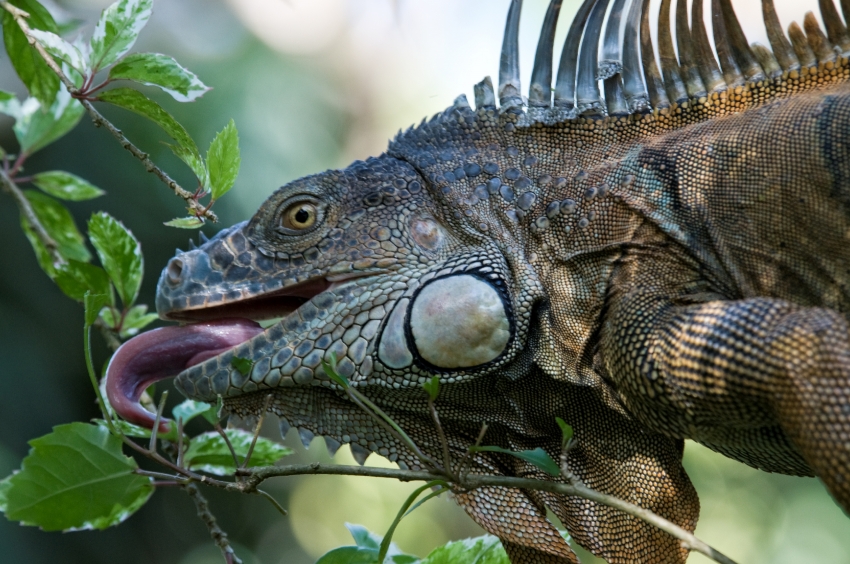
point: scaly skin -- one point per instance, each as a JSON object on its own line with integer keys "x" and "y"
{"x": 650, "y": 278}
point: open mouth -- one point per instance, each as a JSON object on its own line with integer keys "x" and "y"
{"x": 165, "y": 352}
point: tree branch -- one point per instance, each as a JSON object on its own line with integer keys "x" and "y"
{"x": 24, "y": 206}
{"x": 197, "y": 209}
{"x": 217, "y": 533}
{"x": 475, "y": 481}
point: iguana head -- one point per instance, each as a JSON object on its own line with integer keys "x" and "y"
{"x": 476, "y": 250}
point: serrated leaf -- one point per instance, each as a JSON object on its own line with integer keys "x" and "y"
{"x": 480, "y": 550}
{"x": 35, "y": 129}
{"x": 163, "y": 71}
{"x": 116, "y": 31}
{"x": 120, "y": 254}
{"x": 61, "y": 50}
{"x": 186, "y": 149}
{"x": 223, "y": 160}
{"x": 66, "y": 186}
{"x": 185, "y": 223}
{"x": 76, "y": 278}
{"x": 209, "y": 453}
{"x": 39, "y": 79}
{"x": 243, "y": 365}
{"x": 136, "y": 319}
{"x": 94, "y": 303}
{"x": 432, "y": 386}
{"x": 76, "y": 478}
{"x": 538, "y": 457}
{"x": 59, "y": 224}
{"x": 190, "y": 409}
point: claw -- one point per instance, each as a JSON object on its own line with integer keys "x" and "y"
{"x": 192, "y": 245}
{"x": 203, "y": 238}
{"x": 359, "y": 453}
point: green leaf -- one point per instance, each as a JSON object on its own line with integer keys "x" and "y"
{"x": 209, "y": 453}
{"x": 59, "y": 224}
{"x": 190, "y": 409}
{"x": 76, "y": 278}
{"x": 185, "y": 223}
{"x": 35, "y": 129}
{"x": 480, "y": 550}
{"x": 349, "y": 555}
{"x": 93, "y": 304}
{"x": 5, "y": 486}
{"x": 366, "y": 551}
{"x": 363, "y": 537}
{"x": 129, "y": 429}
{"x": 117, "y": 30}
{"x": 214, "y": 414}
{"x": 76, "y": 478}
{"x": 41, "y": 82}
{"x": 566, "y": 431}
{"x": 154, "y": 69}
{"x": 223, "y": 160}
{"x": 537, "y": 457}
{"x": 330, "y": 369}
{"x": 432, "y": 386}
{"x": 243, "y": 365}
{"x": 136, "y": 319}
{"x": 119, "y": 253}
{"x": 186, "y": 149}
{"x": 66, "y": 186}
{"x": 61, "y": 50}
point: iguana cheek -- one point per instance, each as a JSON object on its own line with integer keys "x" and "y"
{"x": 459, "y": 322}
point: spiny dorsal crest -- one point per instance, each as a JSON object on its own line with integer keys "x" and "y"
{"x": 697, "y": 84}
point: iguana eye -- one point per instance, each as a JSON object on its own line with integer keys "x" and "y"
{"x": 299, "y": 216}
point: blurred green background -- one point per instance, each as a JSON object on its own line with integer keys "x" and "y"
{"x": 311, "y": 84}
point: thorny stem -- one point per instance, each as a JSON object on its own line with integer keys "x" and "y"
{"x": 24, "y": 206}
{"x": 197, "y": 209}
{"x": 217, "y": 533}
{"x": 163, "y": 397}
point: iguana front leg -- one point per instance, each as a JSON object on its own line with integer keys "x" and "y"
{"x": 758, "y": 379}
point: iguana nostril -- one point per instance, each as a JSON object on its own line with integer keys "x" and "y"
{"x": 174, "y": 272}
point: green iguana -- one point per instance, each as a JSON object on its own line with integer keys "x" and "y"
{"x": 668, "y": 260}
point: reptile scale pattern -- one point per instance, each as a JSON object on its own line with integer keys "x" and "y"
{"x": 672, "y": 261}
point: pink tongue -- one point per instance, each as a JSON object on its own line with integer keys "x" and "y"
{"x": 165, "y": 352}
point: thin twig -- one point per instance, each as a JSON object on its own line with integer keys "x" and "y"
{"x": 179, "y": 460}
{"x": 32, "y": 220}
{"x": 257, "y": 428}
{"x": 447, "y": 460}
{"x": 467, "y": 458}
{"x": 155, "y": 428}
{"x": 217, "y": 533}
{"x": 229, "y": 445}
{"x": 197, "y": 209}
{"x": 273, "y": 501}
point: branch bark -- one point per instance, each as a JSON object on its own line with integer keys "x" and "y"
{"x": 9, "y": 186}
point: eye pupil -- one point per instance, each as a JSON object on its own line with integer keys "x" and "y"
{"x": 301, "y": 216}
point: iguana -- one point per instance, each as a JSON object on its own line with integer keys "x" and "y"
{"x": 666, "y": 261}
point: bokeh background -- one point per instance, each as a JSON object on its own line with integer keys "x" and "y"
{"x": 311, "y": 84}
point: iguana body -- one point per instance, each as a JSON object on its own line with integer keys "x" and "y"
{"x": 649, "y": 277}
